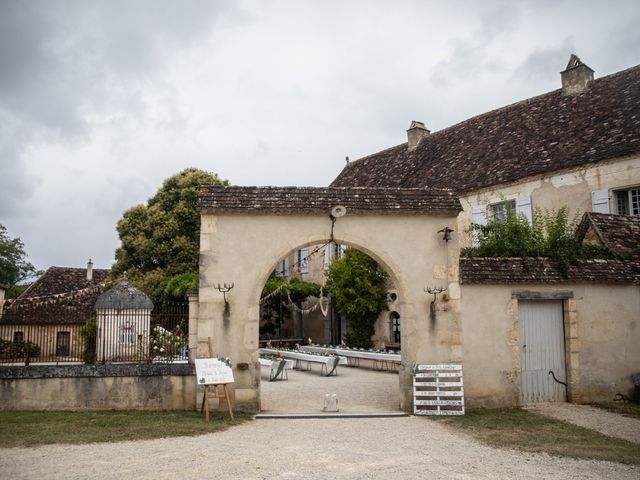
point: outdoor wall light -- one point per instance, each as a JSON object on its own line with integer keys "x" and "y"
{"x": 435, "y": 291}
{"x": 224, "y": 289}
{"x": 447, "y": 233}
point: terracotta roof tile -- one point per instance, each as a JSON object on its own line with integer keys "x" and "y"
{"x": 62, "y": 295}
{"x": 214, "y": 198}
{"x": 545, "y": 270}
{"x": 63, "y": 279}
{"x": 620, "y": 233}
{"x": 542, "y": 134}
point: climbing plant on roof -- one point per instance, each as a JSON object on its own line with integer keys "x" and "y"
{"x": 552, "y": 234}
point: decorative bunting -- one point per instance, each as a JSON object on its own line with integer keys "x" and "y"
{"x": 50, "y": 299}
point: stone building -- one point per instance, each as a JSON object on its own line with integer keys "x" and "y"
{"x": 579, "y": 147}
{"x": 52, "y": 310}
{"x": 522, "y": 332}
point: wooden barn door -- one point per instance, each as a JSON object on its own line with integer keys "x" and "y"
{"x": 541, "y": 329}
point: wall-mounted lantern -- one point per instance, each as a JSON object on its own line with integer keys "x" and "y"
{"x": 447, "y": 233}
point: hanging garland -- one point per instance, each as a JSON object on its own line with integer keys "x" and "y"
{"x": 324, "y": 310}
{"x": 50, "y": 299}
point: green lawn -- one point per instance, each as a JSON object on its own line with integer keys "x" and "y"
{"x": 531, "y": 432}
{"x": 628, "y": 409}
{"x": 26, "y": 429}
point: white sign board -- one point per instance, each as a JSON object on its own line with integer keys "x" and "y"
{"x": 210, "y": 371}
{"x": 438, "y": 390}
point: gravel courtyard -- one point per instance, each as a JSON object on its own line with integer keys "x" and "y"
{"x": 347, "y": 448}
{"x": 359, "y": 390}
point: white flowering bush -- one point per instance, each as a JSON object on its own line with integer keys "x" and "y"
{"x": 168, "y": 343}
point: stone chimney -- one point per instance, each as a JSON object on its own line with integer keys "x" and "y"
{"x": 417, "y": 131}
{"x": 90, "y": 271}
{"x": 576, "y": 77}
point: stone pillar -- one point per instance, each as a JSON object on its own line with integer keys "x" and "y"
{"x": 192, "y": 296}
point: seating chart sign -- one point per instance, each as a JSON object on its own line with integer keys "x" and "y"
{"x": 211, "y": 371}
{"x": 438, "y": 390}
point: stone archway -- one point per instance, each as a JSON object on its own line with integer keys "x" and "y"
{"x": 246, "y": 230}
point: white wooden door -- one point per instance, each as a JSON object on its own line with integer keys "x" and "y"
{"x": 541, "y": 342}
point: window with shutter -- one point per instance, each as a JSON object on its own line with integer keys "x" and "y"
{"x": 303, "y": 264}
{"x": 523, "y": 206}
{"x": 478, "y": 217}
{"x": 628, "y": 201}
{"x": 600, "y": 201}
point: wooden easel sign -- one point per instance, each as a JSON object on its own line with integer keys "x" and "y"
{"x": 213, "y": 373}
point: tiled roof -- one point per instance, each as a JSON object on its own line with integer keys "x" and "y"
{"x": 214, "y": 198}
{"x": 547, "y": 133}
{"x": 124, "y": 296}
{"x": 62, "y": 295}
{"x": 63, "y": 279}
{"x": 545, "y": 270}
{"x": 620, "y": 233}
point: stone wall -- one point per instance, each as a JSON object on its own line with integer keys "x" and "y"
{"x": 601, "y": 341}
{"x": 98, "y": 387}
{"x": 571, "y": 188}
{"x": 244, "y": 248}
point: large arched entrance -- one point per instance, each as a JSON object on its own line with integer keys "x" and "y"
{"x": 245, "y": 231}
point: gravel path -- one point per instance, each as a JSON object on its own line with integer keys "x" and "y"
{"x": 362, "y": 448}
{"x": 388, "y": 448}
{"x": 358, "y": 389}
{"x": 608, "y": 423}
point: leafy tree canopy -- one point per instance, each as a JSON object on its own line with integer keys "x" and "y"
{"x": 160, "y": 240}
{"x": 357, "y": 285}
{"x": 14, "y": 267}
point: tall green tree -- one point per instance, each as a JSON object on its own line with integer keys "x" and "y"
{"x": 357, "y": 285}
{"x": 14, "y": 267}
{"x": 160, "y": 240}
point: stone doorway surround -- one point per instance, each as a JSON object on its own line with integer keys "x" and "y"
{"x": 245, "y": 231}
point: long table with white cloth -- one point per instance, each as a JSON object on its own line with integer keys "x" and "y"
{"x": 329, "y": 362}
{"x": 381, "y": 360}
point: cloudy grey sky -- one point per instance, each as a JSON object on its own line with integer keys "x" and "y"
{"x": 102, "y": 100}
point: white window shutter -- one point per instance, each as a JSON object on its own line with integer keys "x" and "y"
{"x": 327, "y": 256}
{"x": 303, "y": 265}
{"x": 600, "y": 201}
{"x": 285, "y": 267}
{"x": 479, "y": 217}
{"x": 523, "y": 206}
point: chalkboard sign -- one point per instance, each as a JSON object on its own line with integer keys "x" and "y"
{"x": 211, "y": 371}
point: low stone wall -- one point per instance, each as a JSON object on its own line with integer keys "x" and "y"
{"x": 98, "y": 387}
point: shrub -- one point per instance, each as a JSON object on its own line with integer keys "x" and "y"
{"x": 552, "y": 235}
{"x": 167, "y": 343}
{"x": 15, "y": 350}
{"x": 89, "y": 332}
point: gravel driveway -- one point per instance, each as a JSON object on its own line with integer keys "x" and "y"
{"x": 349, "y": 448}
{"x": 380, "y": 448}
